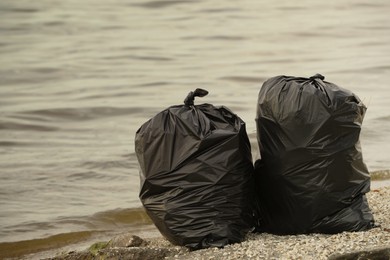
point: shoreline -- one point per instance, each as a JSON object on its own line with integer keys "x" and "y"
{"x": 78, "y": 241}
{"x": 151, "y": 245}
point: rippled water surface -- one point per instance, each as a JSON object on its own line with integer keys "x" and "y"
{"x": 78, "y": 78}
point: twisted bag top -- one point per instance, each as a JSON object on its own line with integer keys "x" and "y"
{"x": 196, "y": 174}
{"x": 312, "y": 177}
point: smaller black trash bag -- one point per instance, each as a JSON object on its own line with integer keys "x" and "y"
{"x": 196, "y": 174}
{"x": 312, "y": 177}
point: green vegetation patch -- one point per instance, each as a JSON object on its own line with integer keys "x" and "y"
{"x": 94, "y": 248}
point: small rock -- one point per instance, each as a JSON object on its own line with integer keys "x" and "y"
{"x": 379, "y": 253}
{"x": 127, "y": 240}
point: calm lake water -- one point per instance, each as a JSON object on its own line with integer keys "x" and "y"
{"x": 78, "y": 78}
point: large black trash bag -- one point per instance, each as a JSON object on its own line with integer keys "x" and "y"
{"x": 196, "y": 174}
{"x": 311, "y": 176}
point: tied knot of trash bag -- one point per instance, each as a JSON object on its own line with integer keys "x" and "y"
{"x": 317, "y": 76}
{"x": 189, "y": 101}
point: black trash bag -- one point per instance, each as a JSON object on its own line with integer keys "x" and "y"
{"x": 311, "y": 177}
{"x": 197, "y": 174}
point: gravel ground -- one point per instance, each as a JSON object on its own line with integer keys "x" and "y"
{"x": 264, "y": 246}
{"x": 313, "y": 246}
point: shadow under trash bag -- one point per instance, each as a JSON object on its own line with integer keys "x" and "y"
{"x": 311, "y": 177}
{"x": 196, "y": 174}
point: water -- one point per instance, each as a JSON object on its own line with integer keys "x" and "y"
{"x": 78, "y": 78}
